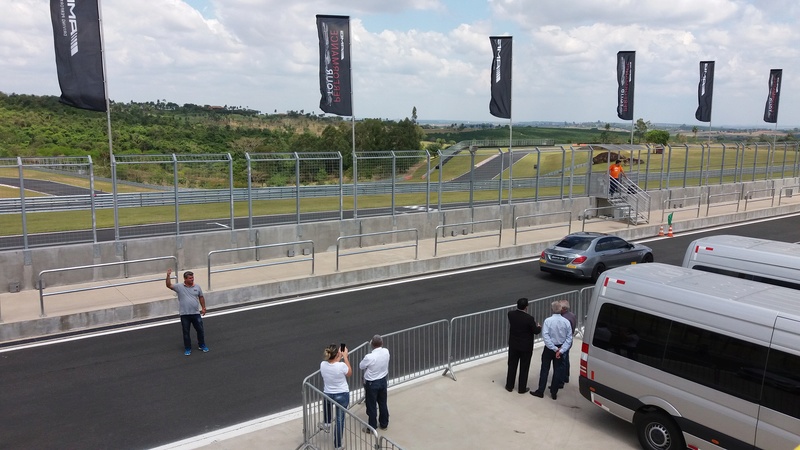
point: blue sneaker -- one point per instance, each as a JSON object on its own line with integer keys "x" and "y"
{"x": 187, "y": 352}
{"x": 204, "y": 349}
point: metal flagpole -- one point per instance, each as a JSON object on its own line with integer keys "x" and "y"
{"x": 353, "y": 135}
{"x": 632, "y": 127}
{"x": 108, "y": 127}
{"x": 510, "y": 162}
{"x": 510, "y": 138}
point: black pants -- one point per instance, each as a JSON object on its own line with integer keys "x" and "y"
{"x": 523, "y": 359}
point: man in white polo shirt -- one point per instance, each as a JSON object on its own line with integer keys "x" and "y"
{"x": 376, "y": 373}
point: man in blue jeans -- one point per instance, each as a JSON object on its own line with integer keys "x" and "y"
{"x": 376, "y": 373}
{"x": 191, "y": 307}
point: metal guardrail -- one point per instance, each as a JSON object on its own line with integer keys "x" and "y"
{"x": 418, "y": 352}
{"x": 266, "y": 264}
{"x": 382, "y": 249}
{"x": 320, "y": 434}
{"x": 585, "y": 214}
{"x": 748, "y": 196}
{"x": 536, "y": 228}
{"x": 469, "y": 235}
{"x": 682, "y": 200}
{"x": 40, "y": 282}
{"x": 789, "y": 191}
{"x": 709, "y": 204}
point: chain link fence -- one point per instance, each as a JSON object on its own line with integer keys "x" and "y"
{"x": 56, "y": 200}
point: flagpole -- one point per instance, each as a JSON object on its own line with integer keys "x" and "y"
{"x": 632, "y": 127}
{"x": 108, "y": 130}
{"x": 510, "y": 162}
{"x": 352, "y": 131}
{"x": 510, "y": 139}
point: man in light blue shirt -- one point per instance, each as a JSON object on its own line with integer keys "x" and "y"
{"x": 557, "y": 335}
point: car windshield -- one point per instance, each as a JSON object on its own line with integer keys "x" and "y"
{"x": 576, "y": 242}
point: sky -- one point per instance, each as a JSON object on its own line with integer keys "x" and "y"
{"x": 433, "y": 55}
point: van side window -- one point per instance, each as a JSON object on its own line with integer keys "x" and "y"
{"x": 721, "y": 362}
{"x": 632, "y": 334}
{"x": 782, "y": 383}
{"x": 715, "y": 360}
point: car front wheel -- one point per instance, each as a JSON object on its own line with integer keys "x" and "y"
{"x": 648, "y": 258}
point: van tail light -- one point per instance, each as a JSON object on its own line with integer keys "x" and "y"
{"x": 584, "y": 359}
{"x": 579, "y": 260}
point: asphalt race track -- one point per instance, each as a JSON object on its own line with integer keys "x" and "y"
{"x": 135, "y": 389}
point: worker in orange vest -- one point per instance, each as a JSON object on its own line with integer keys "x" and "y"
{"x": 614, "y": 172}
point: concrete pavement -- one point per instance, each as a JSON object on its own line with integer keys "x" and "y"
{"x": 473, "y": 412}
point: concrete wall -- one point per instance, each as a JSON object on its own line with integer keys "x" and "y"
{"x": 191, "y": 251}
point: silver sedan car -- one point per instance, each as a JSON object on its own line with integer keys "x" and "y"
{"x": 587, "y": 255}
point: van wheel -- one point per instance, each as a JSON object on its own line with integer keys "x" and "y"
{"x": 648, "y": 258}
{"x": 657, "y": 431}
{"x": 598, "y": 269}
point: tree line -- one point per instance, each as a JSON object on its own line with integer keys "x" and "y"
{"x": 40, "y": 126}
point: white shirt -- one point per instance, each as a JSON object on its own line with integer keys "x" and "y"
{"x": 335, "y": 377}
{"x": 375, "y": 364}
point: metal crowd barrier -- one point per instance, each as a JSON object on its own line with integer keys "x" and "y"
{"x": 479, "y": 335}
{"x": 40, "y": 283}
{"x": 536, "y": 228}
{"x": 683, "y": 200}
{"x": 709, "y": 205}
{"x": 469, "y": 235}
{"x": 319, "y": 435}
{"x": 748, "y": 196}
{"x": 421, "y": 351}
{"x": 256, "y": 248}
{"x": 381, "y": 249}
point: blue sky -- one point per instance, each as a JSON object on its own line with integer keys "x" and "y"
{"x": 433, "y": 55}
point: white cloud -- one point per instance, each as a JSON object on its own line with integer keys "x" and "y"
{"x": 432, "y": 54}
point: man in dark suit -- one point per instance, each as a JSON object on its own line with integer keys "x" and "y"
{"x": 522, "y": 328}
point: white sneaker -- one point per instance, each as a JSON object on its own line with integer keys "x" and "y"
{"x": 326, "y": 427}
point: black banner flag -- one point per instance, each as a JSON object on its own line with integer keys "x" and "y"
{"x": 626, "y": 65}
{"x": 79, "y": 53}
{"x": 334, "y": 65}
{"x": 705, "y": 91}
{"x": 771, "y": 109}
{"x": 500, "y": 104}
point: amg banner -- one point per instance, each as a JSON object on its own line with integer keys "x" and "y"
{"x": 705, "y": 91}
{"x": 626, "y": 65}
{"x": 334, "y": 65}
{"x": 500, "y": 104}
{"x": 771, "y": 108}
{"x": 79, "y": 53}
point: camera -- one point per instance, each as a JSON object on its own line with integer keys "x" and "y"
{"x": 342, "y": 347}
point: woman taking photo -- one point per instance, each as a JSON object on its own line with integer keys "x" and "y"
{"x": 335, "y": 370}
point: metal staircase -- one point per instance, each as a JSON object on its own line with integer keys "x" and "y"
{"x": 638, "y": 201}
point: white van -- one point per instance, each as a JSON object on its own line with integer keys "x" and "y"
{"x": 693, "y": 358}
{"x": 761, "y": 260}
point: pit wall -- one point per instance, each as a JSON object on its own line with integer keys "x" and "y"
{"x": 22, "y": 267}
